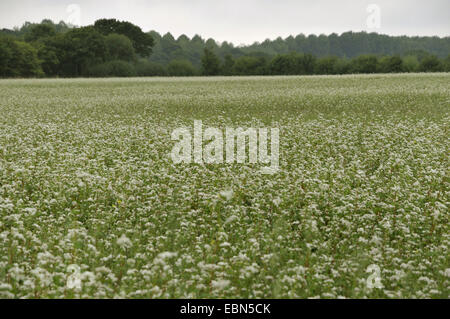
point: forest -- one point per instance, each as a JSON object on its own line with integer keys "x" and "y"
{"x": 118, "y": 48}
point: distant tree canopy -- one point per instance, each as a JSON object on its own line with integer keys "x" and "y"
{"x": 210, "y": 63}
{"x": 365, "y": 64}
{"x": 392, "y": 64}
{"x": 81, "y": 48}
{"x": 142, "y": 42}
{"x": 181, "y": 68}
{"x": 118, "y": 48}
{"x": 107, "y": 48}
{"x": 40, "y": 31}
{"x": 431, "y": 64}
{"x": 347, "y": 45}
{"x": 293, "y": 63}
{"x": 18, "y": 58}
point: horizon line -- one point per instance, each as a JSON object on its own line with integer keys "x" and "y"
{"x": 241, "y": 44}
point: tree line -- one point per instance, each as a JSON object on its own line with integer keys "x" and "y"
{"x": 347, "y": 45}
{"x": 106, "y": 48}
{"x": 118, "y": 48}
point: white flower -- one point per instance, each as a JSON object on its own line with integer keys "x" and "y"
{"x": 231, "y": 219}
{"x": 167, "y": 254}
{"x": 30, "y": 210}
{"x": 5, "y": 287}
{"x": 267, "y": 170}
{"x": 277, "y": 201}
{"x": 447, "y": 272}
{"x": 227, "y": 194}
{"x": 220, "y": 284}
{"x": 131, "y": 262}
{"x": 124, "y": 242}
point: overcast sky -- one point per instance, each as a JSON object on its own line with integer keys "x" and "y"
{"x": 243, "y": 21}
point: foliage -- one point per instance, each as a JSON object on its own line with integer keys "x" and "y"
{"x": 67, "y": 51}
{"x": 250, "y": 65}
{"x": 447, "y": 64}
{"x": 411, "y": 63}
{"x": 210, "y": 63}
{"x": 431, "y": 64}
{"x": 365, "y": 64}
{"x": 347, "y": 45}
{"x": 392, "y": 64}
{"x": 48, "y": 56}
{"x": 27, "y": 27}
{"x": 147, "y": 68}
{"x": 114, "y": 68}
{"x": 181, "y": 68}
{"x": 119, "y": 47}
{"x": 18, "y": 59}
{"x": 327, "y": 65}
{"x": 142, "y": 42}
{"x": 228, "y": 65}
{"x": 82, "y": 48}
{"x": 40, "y": 31}
{"x": 293, "y": 64}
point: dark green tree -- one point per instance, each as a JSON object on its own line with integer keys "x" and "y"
{"x": 181, "y": 68}
{"x": 447, "y": 63}
{"x": 304, "y": 63}
{"x": 119, "y": 47}
{"x": 365, "y": 64}
{"x": 142, "y": 42}
{"x": 327, "y": 65}
{"x": 5, "y": 57}
{"x": 228, "y": 64}
{"x": 79, "y": 49}
{"x": 210, "y": 63}
{"x": 40, "y": 31}
{"x": 116, "y": 68}
{"x": 18, "y": 59}
{"x": 147, "y": 68}
{"x": 392, "y": 64}
{"x": 431, "y": 64}
{"x": 250, "y": 65}
{"x": 411, "y": 63}
{"x": 48, "y": 55}
{"x": 283, "y": 64}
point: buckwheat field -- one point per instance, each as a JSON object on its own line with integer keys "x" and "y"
{"x": 92, "y": 205}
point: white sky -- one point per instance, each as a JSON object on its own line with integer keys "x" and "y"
{"x": 242, "y": 21}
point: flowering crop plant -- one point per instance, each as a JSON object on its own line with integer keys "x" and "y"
{"x": 93, "y": 206}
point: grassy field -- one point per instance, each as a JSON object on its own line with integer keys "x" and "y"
{"x": 86, "y": 180}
